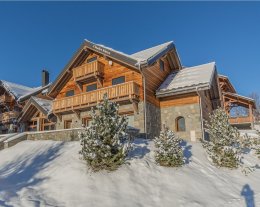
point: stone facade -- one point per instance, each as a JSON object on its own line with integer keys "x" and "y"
{"x": 156, "y": 117}
{"x": 136, "y": 118}
{"x": 191, "y": 114}
{"x": 153, "y": 120}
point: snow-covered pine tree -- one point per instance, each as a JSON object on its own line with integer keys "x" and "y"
{"x": 223, "y": 146}
{"x": 168, "y": 151}
{"x": 257, "y": 144}
{"x": 104, "y": 143}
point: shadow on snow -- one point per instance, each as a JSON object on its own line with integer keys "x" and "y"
{"x": 22, "y": 173}
{"x": 248, "y": 193}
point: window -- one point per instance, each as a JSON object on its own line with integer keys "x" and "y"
{"x": 91, "y": 87}
{"x": 67, "y": 124}
{"x": 70, "y": 93}
{"x": 118, "y": 80}
{"x": 180, "y": 124}
{"x": 161, "y": 65}
{"x": 92, "y": 59}
{"x": 86, "y": 121}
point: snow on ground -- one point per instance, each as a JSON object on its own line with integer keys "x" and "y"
{"x": 49, "y": 173}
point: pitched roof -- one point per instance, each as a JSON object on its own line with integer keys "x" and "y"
{"x": 21, "y": 92}
{"x": 238, "y": 96}
{"x": 188, "y": 79}
{"x": 141, "y": 59}
{"x": 34, "y": 104}
{"x": 147, "y": 54}
{"x": 45, "y": 104}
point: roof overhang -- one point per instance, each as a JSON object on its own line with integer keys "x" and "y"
{"x": 36, "y": 92}
{"x": 178, "y": 91}
{"x": 240, "y": 98}
{"x": 87, "y": 47}
{"x": 30, "y": 108}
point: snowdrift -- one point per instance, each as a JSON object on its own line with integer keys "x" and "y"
{"x": 49, "y": 173}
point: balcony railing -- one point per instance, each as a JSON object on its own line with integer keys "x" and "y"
{"x": 240, "y": 120}
{"x": 120, "y": 92}
{"x": 5, "y": 99}
{"x": 88, "y": 70}
{"x": 8, "y": 116}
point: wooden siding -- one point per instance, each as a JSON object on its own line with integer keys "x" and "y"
{"x": 206, "y": 104}
{"x": 6, "y": 117}
{"x": 191, "y": 98}
{"x": 110, "y": 72}
{"x": 154, "y": 77}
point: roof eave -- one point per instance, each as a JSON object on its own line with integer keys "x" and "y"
{"x": 190, "y": 89}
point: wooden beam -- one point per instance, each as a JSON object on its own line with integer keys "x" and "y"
{"x": 170, "y": 61}
{"x": 77, "y": 112}
{"x": 135, "y": 105}
{"x": 59, "y": 116}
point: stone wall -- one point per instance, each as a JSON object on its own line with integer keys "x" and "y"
{"x": 137, "y": 120}
{"x": 191, "y": 113}
{"x": 56, "y": 135}
{"x": 153, "y": 120}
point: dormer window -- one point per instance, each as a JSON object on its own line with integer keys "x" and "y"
{"x": 70, "y": 93}
{"x": 91, "y": 87}
{"x": 90, "y": 60}
{"x": 161, "y": 65}
{"x": 118, "y": 80}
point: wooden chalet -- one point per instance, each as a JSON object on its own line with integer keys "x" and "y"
{"x": 135, "y": 81}
{"x": 36, "y": 115}
{"x": 232, "y": 100}
{"x": 13, "y": 97}
{"x": 151, "y": 86}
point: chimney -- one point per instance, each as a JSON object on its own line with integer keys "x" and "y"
{"x": 45, "y": 78}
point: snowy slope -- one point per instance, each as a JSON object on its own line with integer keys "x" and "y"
{"x": 48, "y": 173}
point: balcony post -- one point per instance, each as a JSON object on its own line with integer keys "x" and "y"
{"x": 251, "y": 116}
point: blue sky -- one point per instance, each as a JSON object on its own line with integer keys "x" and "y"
{"x": 37, "y": 35}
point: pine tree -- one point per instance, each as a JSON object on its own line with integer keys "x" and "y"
{"x": 223, "y": 146}
{"x": 104, "y": 143}
{"x": 168, "y": 150}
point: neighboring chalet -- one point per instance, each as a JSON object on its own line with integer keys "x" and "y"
{"x": 13, "y": 97}
{"x": 231, "y": 100}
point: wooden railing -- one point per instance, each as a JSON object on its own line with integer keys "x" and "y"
{"x": 240, "y": 120}
{"x": 5, "y": 98}
{"x": 88, "y": 70}
{"x": 8, "y": 116}
{"x": 124, "y": 91}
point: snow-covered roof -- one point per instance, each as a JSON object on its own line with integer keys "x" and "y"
{"x": 44, "y": 103}
{"x": 17, "y": 90}
{"x": 21, "y": 92}
{"x": 239, "y": 96}
{"x": 146, "y": 54}
{"x": 34, "y": 104}
{"x": 138, "y": 60}
{"x": 188, "y": 79}
{"x": 140, "y": 57}
{"x": 37, "y": 90}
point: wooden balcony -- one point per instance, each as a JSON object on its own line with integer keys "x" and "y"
{"x": 8, "y": 116}
{"x": 128, "y": 91}
{"x": 5, "y": 99}
{"x": 240, "y": 120}
{"x": 88, "y": 71}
